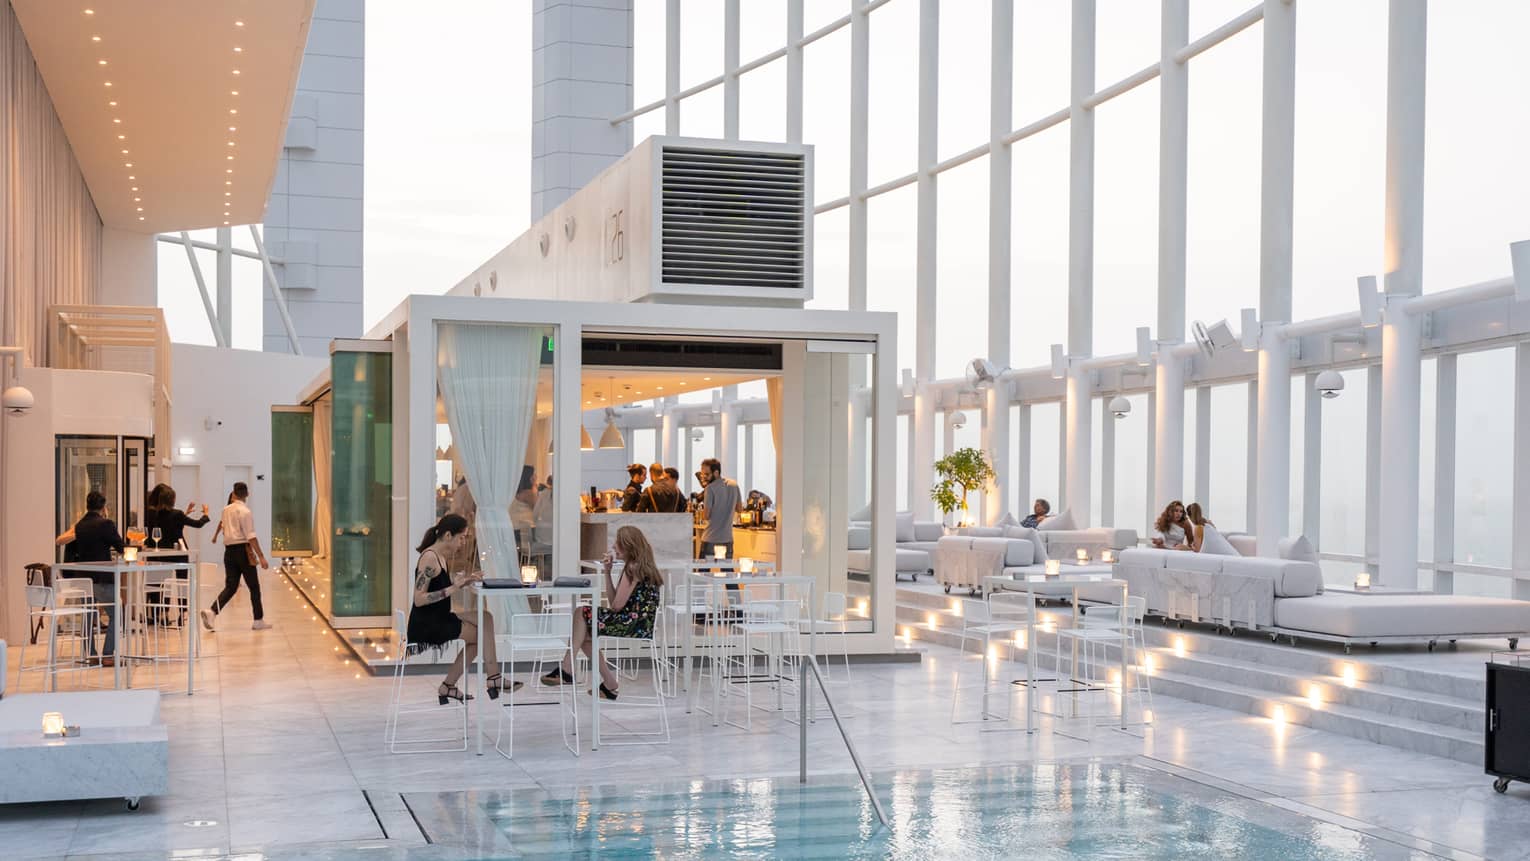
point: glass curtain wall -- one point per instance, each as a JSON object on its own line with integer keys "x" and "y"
{"x": 362, "y": 469}
{"x": 292, "y": 497}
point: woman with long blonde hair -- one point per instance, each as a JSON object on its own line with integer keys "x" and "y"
{"x": 632, "y": 604}
{"x": 1198, "y": 521}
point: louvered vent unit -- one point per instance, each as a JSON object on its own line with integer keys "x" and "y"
{"x": 733, "y": 218}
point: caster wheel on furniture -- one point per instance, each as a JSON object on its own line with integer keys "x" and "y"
{"x": 132, "y": 803}
{"x": 1501, "y": 785}
{"x": 1275, "y": 638}
{"x": 1373, "y": 645}
{"x": 1513, "y": 643}
{"x": 1181, "y": 624}
{"x": 1431, "y": 646}
{"x": 1346, "y": 648}
{"x": 948, "y": 588}
{"x": 972, "y": 592}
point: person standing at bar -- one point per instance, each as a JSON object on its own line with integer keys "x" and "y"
{"x": 721, "y": 501}
{"x": 662, "y": 496}
{"x": 636, "y": 475}
{"x": 95, "y": 539}
{"x": 241, "y": 554}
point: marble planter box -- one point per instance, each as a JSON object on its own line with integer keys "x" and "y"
{"x": 123, "y": 750}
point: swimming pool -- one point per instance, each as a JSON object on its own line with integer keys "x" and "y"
{"x": 1095, "y": 809}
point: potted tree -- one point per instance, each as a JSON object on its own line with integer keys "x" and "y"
{"x": 961, "y": 472}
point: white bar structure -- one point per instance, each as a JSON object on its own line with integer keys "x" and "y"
{"x": 207, "y": 304}
{"x": 1445, "y": 471}
{"x": 794, "y": 71}
{"x": 1519, "y": 552}
{"x": 921, "y": 479}
{"x": 1403, "y": 264}
{"x": 1167, "y": 445}
{"x": 1203, "y": 442}
{"x": 860, "y": 87}
{"x": 730, "y": 69}
{"x": 1023, "y": 454}
{"x": 996, "y": 397}
{"x": 672, "y": 67}
{"x": 1107, "y": 464}
{"x": 1372, "y": 468}
{"x": 1312, "y": 461}
{"x": 224, "y": 277}
{"x": 1080, "y": 258}
{"x": 1252, "y": 462}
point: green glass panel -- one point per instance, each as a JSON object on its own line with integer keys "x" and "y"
{"x": 291, "y": 481}
{"x": 362, "y": 467}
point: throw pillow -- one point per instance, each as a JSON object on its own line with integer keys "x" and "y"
{"x": 1214, "y": 544}
{"x": 1008, "y": 519}
{"x": 1058, "y": 522}
{"x": 1030, "y": 535}
{"x": 1298, "y": 549}
{"x": 903, "y": 524}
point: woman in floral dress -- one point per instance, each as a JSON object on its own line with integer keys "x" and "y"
{"x": 632, "y": 604}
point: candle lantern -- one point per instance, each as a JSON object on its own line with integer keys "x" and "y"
{"x": 528, "y": 574}
{"x": 1054, "y": 567}
{"x": 746, "y": 565}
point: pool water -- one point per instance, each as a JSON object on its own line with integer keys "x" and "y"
{"x": 1096, "y": 809}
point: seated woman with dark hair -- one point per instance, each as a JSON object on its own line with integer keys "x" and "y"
{"x": 633, "y": 605}
{"x": 432, "y": 622}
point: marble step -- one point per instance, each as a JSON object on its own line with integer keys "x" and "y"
{"x": 1368, "y": 696}
{"x": 1390, "y": 730}
{"x": 1345, "y": 718}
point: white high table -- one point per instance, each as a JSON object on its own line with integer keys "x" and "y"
{"x": 117, "y": 569}
{"x": 594, "y": 591}
{"x": 1064, "y": 584}
{"x": 714, "y": 582}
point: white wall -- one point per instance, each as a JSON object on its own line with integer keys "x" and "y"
{"x": 68, "y": 402}
{"x": 129, "y": 268}
{"x": 237, "y": 388}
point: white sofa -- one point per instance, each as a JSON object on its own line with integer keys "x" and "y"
{"x": 962, "y": 561}
{"x": 1061, "y": 544}
{"x": 913, "y": 540}
{"x": 1286, "y": 597}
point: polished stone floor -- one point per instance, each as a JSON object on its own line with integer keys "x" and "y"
{"x": 279, "y": 755}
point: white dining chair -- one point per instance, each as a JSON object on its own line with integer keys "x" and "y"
{"x": 543, "y": 639}
{"x": 397, "y": 708}
{"x": 45, "y": 615}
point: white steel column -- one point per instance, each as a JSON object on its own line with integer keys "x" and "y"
{"x": 1168, "y": 431}
{"x": 747, "y": 473}
{"x": 1402, "y": 262}
{"x": 1372, "y": 466}
{"x": 996, "y": 404}
{"x": 1080, "y": 258}
{"x": 920, "y": 480}
{"x": 1107, "y": 464}
{"x": 1023, "y": 452}
{"x": 1251, "y": 458}
{"x": 667, "y": 450}
{"x": 672, "y": 71}
{"x": 1202, "y": 445}
{"x": 1173, "y": 183}
{"x": 1277, "y": 159}
{"x": 1076, "y": 409}
{"x": 1519, "y": 553}
{"x": 1445, "y": 471}
{"x": 1062, "y": 458}
{"x": 1312, "y": 461}
{"x": 1270, "y": 436}
{"x": 730, "y": 70}
{"x": 794, "y": 71}
{"x": 727, "y": 432}
{"x": 860, "y": 71}
{"x": 224, "y": 282}
{"x": 1150, "y": 503}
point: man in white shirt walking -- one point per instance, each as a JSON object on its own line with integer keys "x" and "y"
{"x": 241, "y": 553}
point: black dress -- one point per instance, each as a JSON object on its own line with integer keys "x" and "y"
{"x": 172, "y": 523}
{"x": 434, "y": 623}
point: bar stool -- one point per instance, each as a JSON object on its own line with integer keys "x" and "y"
{"x": 777, "y": 625}
{"x": 396, "y": 707}
{"x": 834, "y": 620}
{"x": 1102, "y": 627}
{"x": 539, "y": 637}
{"x": 43, "y": 612}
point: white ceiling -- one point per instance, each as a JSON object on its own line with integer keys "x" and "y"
{"x": 632, "y": 385}
{"x": 171, "y": 66}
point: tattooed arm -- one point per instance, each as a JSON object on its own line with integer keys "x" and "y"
{"x": 423, "y": 574}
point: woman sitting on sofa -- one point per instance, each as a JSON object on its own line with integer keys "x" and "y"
{"x": 1173, "y": 527}
{"x": 1195, "y": 530}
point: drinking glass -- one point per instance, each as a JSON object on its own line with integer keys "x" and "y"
{"x": 157, "y": 535}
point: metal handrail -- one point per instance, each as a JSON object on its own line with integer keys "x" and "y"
{"x": 802, "y": 700}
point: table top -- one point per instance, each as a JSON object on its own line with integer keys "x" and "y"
{"x": 744, "y": 579}
{"x": 1349, "y": 588}
{"x": 539, "y": 590}
{"x": 1061, "y": 583}
{"x": 122, "y": 566}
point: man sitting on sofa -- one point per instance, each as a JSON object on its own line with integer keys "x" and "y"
{"x": 1039, "y": 512}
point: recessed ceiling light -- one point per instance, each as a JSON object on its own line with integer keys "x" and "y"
{"x": 706, "y": 379}
{"x": 225, "y": 224}
{"x": 230, "y": 143}
{"x": 113, "y": 104}
{"x": 230, "y": 170}
{"x": 228, "y": 194}
{"x": 660, "y": 388}
{"x": 124, "y": 152}
{"x": 236, "y": 71}
{"x": 116, "y": 119}
{"x": 95, "y": 38}
{"x": 132, "y": 177}
{"x": 233, "y": 128}
{"x": 233, "y": 110}
{"x": 230, "y": 158}
{"x": 238, "y": 23}
{"x": 138, "y": 200}
{"x": 108, "y": 83}
{"x": 235, "y": 92}
{"x": 140, "y": 218}
{"x": 140, "y": 209}
{"x": 135, "y": 188}
{"x": 127, "y": 164}
{"x": 238, "y": 50}
{"x": 228, "y": 182}
{"x": 100, "y": 62}
{"x": 121, "y": 137}
{"x": 90, "y": 11}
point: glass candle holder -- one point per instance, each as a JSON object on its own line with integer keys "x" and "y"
{"x": 1363, "y": 580}
{"x": 1054, "y": 567}
{"x": 1108, "y": 556}
{"x": 53, "y": 725}
{"x": 1083, "y": 556}
{"x": 719, "y": 553}
{"x": 130, "y": 554}
{"x": 746, "y": 565}
{"x": 528, "y": 574}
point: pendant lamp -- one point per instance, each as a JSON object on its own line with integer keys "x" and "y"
{"x": 585, "y": 443}
{"x": 611, "y": 437}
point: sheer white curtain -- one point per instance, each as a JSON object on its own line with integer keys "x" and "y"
{"x": 773, "y": 389}
{"x": 488, "y": 380}
{"x": 323, "y": 458}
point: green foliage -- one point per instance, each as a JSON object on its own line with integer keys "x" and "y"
{"x": 961, "y": 472}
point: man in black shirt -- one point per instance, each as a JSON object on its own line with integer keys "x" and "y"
{"x": 636, "y": 474}
{"x": 663, "y": 495}
{"x": 95, "y": 537}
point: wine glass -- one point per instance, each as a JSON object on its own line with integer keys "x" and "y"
{"x": 156, "y": 534}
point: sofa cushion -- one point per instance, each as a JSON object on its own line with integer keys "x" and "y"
{"x": 984, "y": 532}
{"x": 1213, "y": 543}
{"x": 1057, "y": 522}
{"x": 863, "y": 514}
{"x": 1204, "y": 563}
{"x": 903, "y": 524}
{"x": 860, "y": 538}
{"x": 1298, "y": 548}
{"x": 1038, "y": 547}
{"x": 1244, "y": 543}
{"x": 1008, "y": 519}
{"x": 1343, "y": 614}
{"x": 1145, "y": 557}
{"x": 928, "y": 530}
{"x": 904, "y": 561}
{"x": 1013, "y": 551}
{"x": 1291, "y": 579}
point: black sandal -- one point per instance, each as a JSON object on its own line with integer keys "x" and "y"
{"x": 607, "y": 693}
{"x": 451, "y": 692}
{"x": 558, "y": 676}
{"x": 496, "y": 684}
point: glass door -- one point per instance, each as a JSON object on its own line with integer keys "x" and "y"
{"x": 135, "y": 484}
{"x": 116, "y": 467}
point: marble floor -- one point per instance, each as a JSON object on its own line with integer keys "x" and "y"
{"x": 279, "y": 754}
